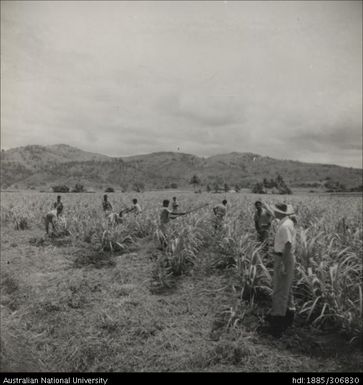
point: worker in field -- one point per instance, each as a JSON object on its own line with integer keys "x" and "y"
{"x": 56, "y": 221}
{"x": 165, "y": 216}
{"x": 113, "y": 219}
{"x": 135, "y": 208}
{"x": 283, "y": 308}
{"x": 220, "y": 212}
{"x": 263, "y": 218}
{"x": 174, "y": 205}
{"x": 58, "y": 205}
{"x": 106, "y": 205}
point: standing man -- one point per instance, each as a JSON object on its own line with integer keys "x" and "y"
{"x": 263, "y": 218}
{"x": 136, "y": 208}
{"x": 220, "y": 212}
{"x": 283, "y": 308}
{"x": 106, "y": 205}
{"x": 58, "y": 205}
{"x": 165, "y": 216}
{"x": 174, "y": 205}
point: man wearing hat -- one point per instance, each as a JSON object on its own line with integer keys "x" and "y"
{"x": 283, "y": 308}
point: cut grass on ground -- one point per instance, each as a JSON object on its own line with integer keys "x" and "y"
{"x": 65, "y": 308}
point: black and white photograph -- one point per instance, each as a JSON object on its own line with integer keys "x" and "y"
{"x": 181, "y": 189}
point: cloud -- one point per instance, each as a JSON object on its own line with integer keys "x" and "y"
{"x": 121, "y": 79}
{"x": 340, "y": 138}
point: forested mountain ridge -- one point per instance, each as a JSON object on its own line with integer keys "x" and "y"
{"x": 44, "y": 166}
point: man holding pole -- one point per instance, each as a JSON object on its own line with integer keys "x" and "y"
{"x": 165, "y": 216}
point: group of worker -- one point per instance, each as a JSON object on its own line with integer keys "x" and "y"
{"x": 283, "y": 308}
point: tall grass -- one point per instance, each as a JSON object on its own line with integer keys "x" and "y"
{"x": 328, "y": 284}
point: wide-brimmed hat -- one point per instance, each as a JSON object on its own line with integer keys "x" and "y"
{"x": 283, "y": 208}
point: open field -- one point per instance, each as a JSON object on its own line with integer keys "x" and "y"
{"x": 110, "y": 301}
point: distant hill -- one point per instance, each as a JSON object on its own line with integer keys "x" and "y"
{"x": 41, "y": 167}
{"x": 35, "y": 157}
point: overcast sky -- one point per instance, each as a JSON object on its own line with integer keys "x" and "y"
{"x": 282, "y": 79}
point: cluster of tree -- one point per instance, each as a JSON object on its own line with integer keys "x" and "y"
{"x": 171, "y": 185}
{"x": 137, "y": 186}
{"x": 308, "y": 184}
{"x": 217, "y": 186}
{"x": 78, "y": 188}
{"x": 357, "y": 189}
{"x": 334, "y": 186}
{"x": 277, "y": 186}
{"x": 60, "y": 189}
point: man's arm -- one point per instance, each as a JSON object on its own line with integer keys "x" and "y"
{"x": 268, "y": 209}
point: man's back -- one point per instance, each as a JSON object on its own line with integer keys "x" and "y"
{"x": 220, "y": 210}
{"x": 263, "y": 218}
{"x": 59, "y": 206}
{"x": 137, "y": 208}
{"x": 106, "y": 206}
{"x": 164, "y": 215}
{"x": 285, "y": 233}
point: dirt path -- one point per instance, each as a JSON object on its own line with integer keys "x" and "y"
{"x": 67, "y": 308}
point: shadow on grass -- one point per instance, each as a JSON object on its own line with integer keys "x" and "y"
{"x": 304, "y": 339}
{"x": 91, "y": 258}
{"x": 50, "y": 241}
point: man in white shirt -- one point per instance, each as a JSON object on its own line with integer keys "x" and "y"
{"x": 135, "y": 208}
{"x": 283, "y": 309}
{"x": 175, "y": 205}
